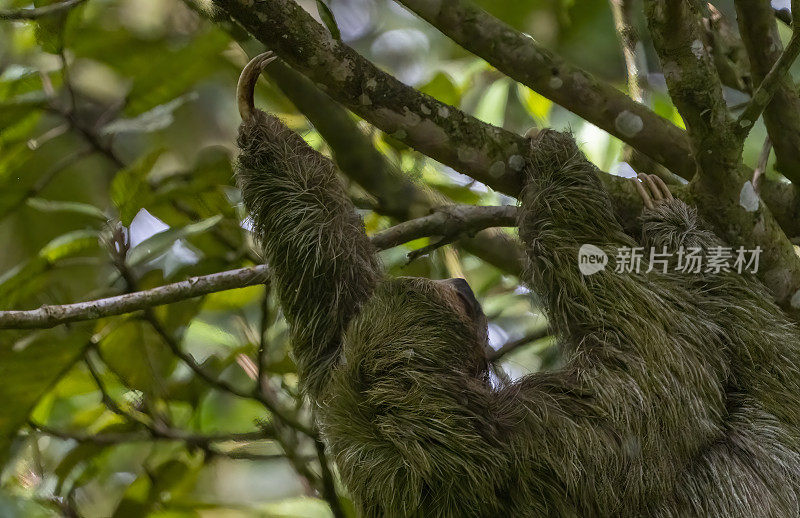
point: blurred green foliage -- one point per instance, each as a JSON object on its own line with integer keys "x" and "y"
{"x": 118, "y": 118}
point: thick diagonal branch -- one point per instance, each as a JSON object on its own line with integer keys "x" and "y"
{"x": 723, "y": 185}
{"x": 776, "y": 94}
{"x": 488, "y": 154}
{"x": 520, "y": 57}
{"x": 398, "y": 196}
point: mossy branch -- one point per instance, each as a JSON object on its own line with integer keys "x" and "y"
{"x": 759, "y": 33}
{"x": 694, "y": 84}
{"x": 520, "y": 57}
{"x": 772, "y": 82}
{"x": 487, "y": 153}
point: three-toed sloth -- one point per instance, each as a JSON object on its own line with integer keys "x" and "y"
{"x": 678, "y": 396}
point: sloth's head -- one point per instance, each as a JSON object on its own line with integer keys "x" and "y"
{"x": 459, "y": 296}
{"x": 425, "y": 321}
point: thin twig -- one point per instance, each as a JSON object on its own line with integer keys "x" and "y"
{"x": 164, "y": 435}
{"x": 632, "y": 50}
{"x": 513, "y": 345}
{"x": 49, "y": 316}
{"x": 449, "y": 222}
{"x": 66, "y": 79}
{"x": 108, "y": 401}
{"x": 328, "y": 483}
{"x": 62, "y": 165}
{"x": 39, "y": 12}
{"x": 223, "y": 385}
{"x": 261, "y": 370}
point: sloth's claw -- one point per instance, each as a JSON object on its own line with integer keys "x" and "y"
{"x": 648, "y": 201}
{"x": 656, "y": 192}
{"x": 247, "y": 83}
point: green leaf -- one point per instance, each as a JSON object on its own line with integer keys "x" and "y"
{"x": 85, "y": 209}
{"x": 17, "y": 282}
{"x": 138, "y": 354}
{"x": 166, "y": 75}
{"x": 146, "y": 493}
{"x": 159, "y": 243}
{"x": 129, "y": 189}
{"x": 12, "y": 506}
{"x": 536, "y": 105}
{"x": 50, "y": 29}
{"x": 75, "y": 457}
{"x": 328, "y": 19}
{"x": 457, "y": 193}
{"x": 441, "y": 87}
{"x": 16, "y": 111}
{"x": 492, "y": 106}
{"x": 29, "y": 366}
{"x": 150, "y": 121}
{"x": 663, "y": 106}
{"x": 17, "y": 80}
{"x": 136, "y": 500}
{"x": 14, "y": 186}
{"x": 69, "y": 245}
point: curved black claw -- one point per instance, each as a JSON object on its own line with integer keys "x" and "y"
{"x": 247, "y": 83}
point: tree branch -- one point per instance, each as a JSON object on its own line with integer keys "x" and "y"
{"x": 520, "y": 57}
{"x": 448, "y": 222}
{"x": 775, "y": 81}
{"x": 635, "y": 58}
{"x": 759, "y": 32}
{"x": 632, "y": 49}
{"x": 727, "y": 50}
{"x": 442, "y": 132}
{"x": 723, "y": 183}
{"x": 49, "y": 316}
{"x": 487, "y": 153}
{"x": 694, "y": 84}
{"x": 39, "y": 12}
{"x": 513, "y": 345}
{"x": 163, "y": 435}
{"x": 462, "y": 219}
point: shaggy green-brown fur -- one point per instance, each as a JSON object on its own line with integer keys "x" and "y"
{"x": 323, "y": 264}
{"x": 678, "y": 396}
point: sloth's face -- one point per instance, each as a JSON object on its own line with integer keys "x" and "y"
{"x": 460, "y": 297}
{"x": 440, "y": 322}
{"x": 461, "y": 300}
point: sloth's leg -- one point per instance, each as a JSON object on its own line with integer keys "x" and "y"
{"x": 763, "y": 345}
{"x": 320, "y": 259}
{"x": 642, "y": 357}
